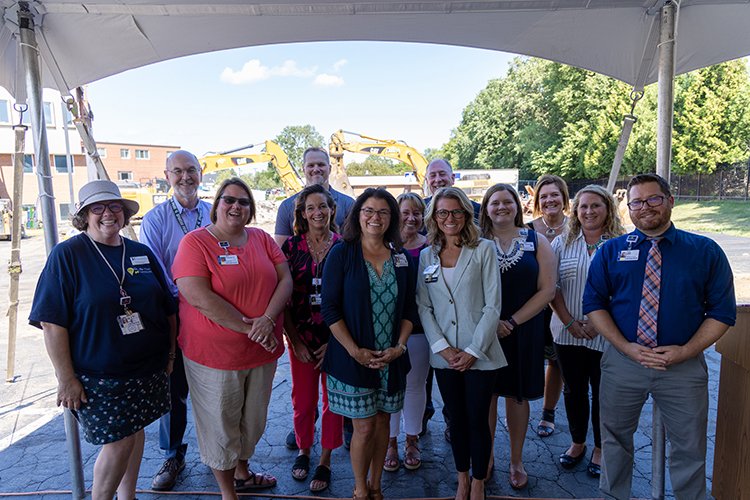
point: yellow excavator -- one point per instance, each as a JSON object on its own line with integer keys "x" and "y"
{"x": 272, "y": 154}
{"x": 343, "y": 140}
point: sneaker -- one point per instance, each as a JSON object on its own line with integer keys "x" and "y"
{"x": 291, "y": 441}
{"x": 166, "y": 478}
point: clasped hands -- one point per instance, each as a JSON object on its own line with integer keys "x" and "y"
{"x": 376, "y": 360}
{"x": 657, "y": 358}
{"x": 262, "y": 332}
{"x": 457, "y": 359}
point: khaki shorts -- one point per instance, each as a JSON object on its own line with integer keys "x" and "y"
{"x": 229, "y": 409}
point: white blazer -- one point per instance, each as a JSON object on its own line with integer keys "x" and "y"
{"x": 466, "y": 315}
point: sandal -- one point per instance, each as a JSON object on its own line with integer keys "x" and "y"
{"x": 391, "y": 463}
{"x": 412, "y": 455}
{"x": 518, "y": 479}
{"x": 322, "y": 474}
{"x": 254, "y": 482}
{"x": 376, "y": 494}
{"x": 547, "y": 425}
{"x": 301, "y": 467}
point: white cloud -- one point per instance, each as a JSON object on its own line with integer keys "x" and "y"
{"x": 326, "y": 80}
{"x": 339, "y": 64}
{"x": 254, "y": 71}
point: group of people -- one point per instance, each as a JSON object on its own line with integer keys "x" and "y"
{"x": 373, "y": 295}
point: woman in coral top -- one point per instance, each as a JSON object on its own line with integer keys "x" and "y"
{"x": 234, "y": 283}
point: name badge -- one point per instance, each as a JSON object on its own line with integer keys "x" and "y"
{"x": 139, "y": 260}
{"x": 431, "y": 273}
{"x": 317, "y": 281}
{"x": 399, "y": 260}
{"x": 528, "y": 246}
{"x": 315, "y": 299}
{"x": 228, "y": 260}
{"x": 628, "y": 255}
{"x": 130, "y": 323}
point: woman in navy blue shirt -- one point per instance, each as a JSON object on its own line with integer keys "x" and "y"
{"x": 368, "y": 302}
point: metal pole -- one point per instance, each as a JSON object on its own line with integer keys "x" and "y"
{"x": 68, "y": 157}
{"x": 14, "y": 267}
{"x": 666, "y": 89}
{"x": 658, "y": 455}
{"x": 32, "y": 70}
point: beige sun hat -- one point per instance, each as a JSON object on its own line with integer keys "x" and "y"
{"x": 101, "y": 190}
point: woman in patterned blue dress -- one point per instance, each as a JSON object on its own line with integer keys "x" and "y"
{"x": 368, "y": 303}
{"x": 528, "y": 276}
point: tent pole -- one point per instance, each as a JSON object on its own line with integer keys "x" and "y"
{"x": 32, "y": 70}
{"x": 665, "y": 111}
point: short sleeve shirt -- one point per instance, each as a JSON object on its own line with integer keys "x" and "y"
{"x": 248, "y": 286}
{"x": 78, "y": 292}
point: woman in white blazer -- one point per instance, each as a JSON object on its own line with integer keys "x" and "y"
{"x": 458, "y": 296}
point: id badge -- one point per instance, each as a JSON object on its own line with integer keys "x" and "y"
{"x": 528, "y": 246}
{"x": 628, "y": 255}
{"x": 431, "y": 273}
{"x": 315, "y": 299}
{"x": 399, "y": 260}
{"x": 228, "y": 260}
{"x": 139, "y": 260}
{"x": 317, "y": 281}
{"x": 130, "y": 323}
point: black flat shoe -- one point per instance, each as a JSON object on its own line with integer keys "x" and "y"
{"x": 569, "y": 462}
{"x": 594, "y": 470}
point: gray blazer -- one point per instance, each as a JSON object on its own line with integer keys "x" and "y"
{"x": 466, "y": 316}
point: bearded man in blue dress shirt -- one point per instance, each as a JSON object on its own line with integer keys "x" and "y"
{"x": 660, "y": 296}
{"x": 162, "y": 229}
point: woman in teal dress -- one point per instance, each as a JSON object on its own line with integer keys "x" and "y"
{"x": 368, "y": 301}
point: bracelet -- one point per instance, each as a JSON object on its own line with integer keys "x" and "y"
{"x": 513, "y": 322}
{"x": 172, "y": 355}
{"x": 570, "y": 324}
{"x": 402, "y": 347}
{"x": 269, "y": 318}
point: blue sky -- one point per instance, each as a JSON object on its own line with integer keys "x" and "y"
{"x": 227, "y": 99}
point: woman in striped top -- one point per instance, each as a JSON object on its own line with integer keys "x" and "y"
{"x": 593, "y": 220}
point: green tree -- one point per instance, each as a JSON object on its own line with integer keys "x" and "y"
{"x": 377, "y": 165}
{"x": 265, "y": 179}
{"x": 294, "y": 139}
{"x": 223, "y": 175}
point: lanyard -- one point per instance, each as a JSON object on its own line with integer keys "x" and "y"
{"x": 124, "y": 297}
{"x": 179, "y": 217}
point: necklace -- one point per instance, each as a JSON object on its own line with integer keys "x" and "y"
{"x": 595, "y": 246}
{"x": 552, "y": 231}
{"x": 321, "y": 252}
{"x": 507, "y": 260}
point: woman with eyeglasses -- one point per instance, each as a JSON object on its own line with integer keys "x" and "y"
{"x": 412, "y": 210}
{"x": 458, "y": 296}
{"x": 368, "y": 303}
{"x": 108, "y": 319}
{"x": 579, "y": 346}
{"x": 528, "y": 271}
{"x": 234, "y": 282}
{"x": 315, "y": 234}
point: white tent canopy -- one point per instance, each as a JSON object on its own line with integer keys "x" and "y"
{"x": 84, "y": 41}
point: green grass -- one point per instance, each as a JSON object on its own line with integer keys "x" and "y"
{"x": 727, "y": 217}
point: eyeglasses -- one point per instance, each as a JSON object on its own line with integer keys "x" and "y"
{"x": 443, "y": 214}
{"x": 369, "y": 212}
{"x": 179, "y": 172}
{"x": 653, "y": 201}
{"x": 231, "y": 200}
{"x": 98, "y": 208}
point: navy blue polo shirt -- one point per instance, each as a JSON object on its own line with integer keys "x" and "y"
{"x": 696, "y": 283}
{"x": 78, "y": 292}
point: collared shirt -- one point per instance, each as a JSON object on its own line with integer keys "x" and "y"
{"x": 573, "y": 263}
{"x": 285, "y": 214}
{"x": 162, "y": 232}
{"x": 696, "y": 283}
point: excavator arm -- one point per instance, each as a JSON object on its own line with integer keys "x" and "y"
{"x": 389, "y": 148}
{"x": 273, "y": 154}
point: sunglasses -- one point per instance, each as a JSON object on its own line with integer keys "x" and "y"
{"x": 231, "y": 200}
{"x": 98, "y": 208}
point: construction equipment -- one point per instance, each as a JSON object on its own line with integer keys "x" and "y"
{"x": 389, "y": 148}
{"x": 272, "y": 154}
{"x": 147, "y": 196}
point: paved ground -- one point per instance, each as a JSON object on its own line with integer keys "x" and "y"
{"x": 33, "y": 456}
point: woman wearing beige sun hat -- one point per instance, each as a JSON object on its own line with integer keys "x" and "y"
{"x": 109, "y": 327}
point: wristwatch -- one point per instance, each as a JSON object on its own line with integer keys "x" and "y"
{"x": 401, "y": 346}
